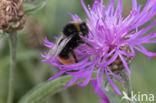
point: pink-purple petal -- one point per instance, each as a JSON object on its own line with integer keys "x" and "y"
{"x": 125, "y": 63}
{"x": 114, "y": 75}
{"x": 100, "y": 92}
{"x": 112, "y": 84}
{"x": 56, "y": 75}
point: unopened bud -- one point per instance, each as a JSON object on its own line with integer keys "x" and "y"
{"x": 12, "y": 17}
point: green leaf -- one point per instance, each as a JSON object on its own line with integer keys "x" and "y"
{"x": 48, "y": 88}
{"x": 45, "y": 89}
{"x": 30, "y": 8}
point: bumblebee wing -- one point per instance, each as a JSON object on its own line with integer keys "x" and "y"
{"x": 53, "y": 50}
{"x": 59, "y": 45}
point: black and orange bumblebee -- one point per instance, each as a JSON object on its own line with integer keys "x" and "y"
{"x": 68, "y": 41}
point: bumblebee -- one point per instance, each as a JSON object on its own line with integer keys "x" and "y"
{"x": 68, "y": 41}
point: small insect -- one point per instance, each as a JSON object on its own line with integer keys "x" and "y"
{"x": 68, "y": 41}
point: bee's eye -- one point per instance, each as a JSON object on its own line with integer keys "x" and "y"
{"x": 69, "y": 29}
{"x": 83, "y": 26}
{"x": 84, "y": 29}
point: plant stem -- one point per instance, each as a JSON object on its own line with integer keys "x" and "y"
{"x": 12, "y": 43}
{"x": 127, "y": 84}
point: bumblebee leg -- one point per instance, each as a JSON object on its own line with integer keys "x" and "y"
{"x": 73, "y": 54}
{"x": 83, "y": 42}
{"x": 89, "y": 45}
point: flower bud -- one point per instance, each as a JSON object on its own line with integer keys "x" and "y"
{"x": 12, "y": 17}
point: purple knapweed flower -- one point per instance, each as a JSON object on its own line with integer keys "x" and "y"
{"x": 114, "y": 39}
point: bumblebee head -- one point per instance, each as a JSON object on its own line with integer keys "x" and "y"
{"x": 84, "y": 29}
{"x": 76, "y": 28}
{"x": 70, "y": 29}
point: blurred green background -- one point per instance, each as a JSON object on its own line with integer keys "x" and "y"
{"x": 31, "y": 71}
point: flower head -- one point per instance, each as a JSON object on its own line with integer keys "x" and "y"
{"x": 114, "y": 40}
{"x": 12, "y": 15}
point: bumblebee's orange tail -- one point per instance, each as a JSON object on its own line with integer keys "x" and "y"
{"x": 67, "y": 61}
